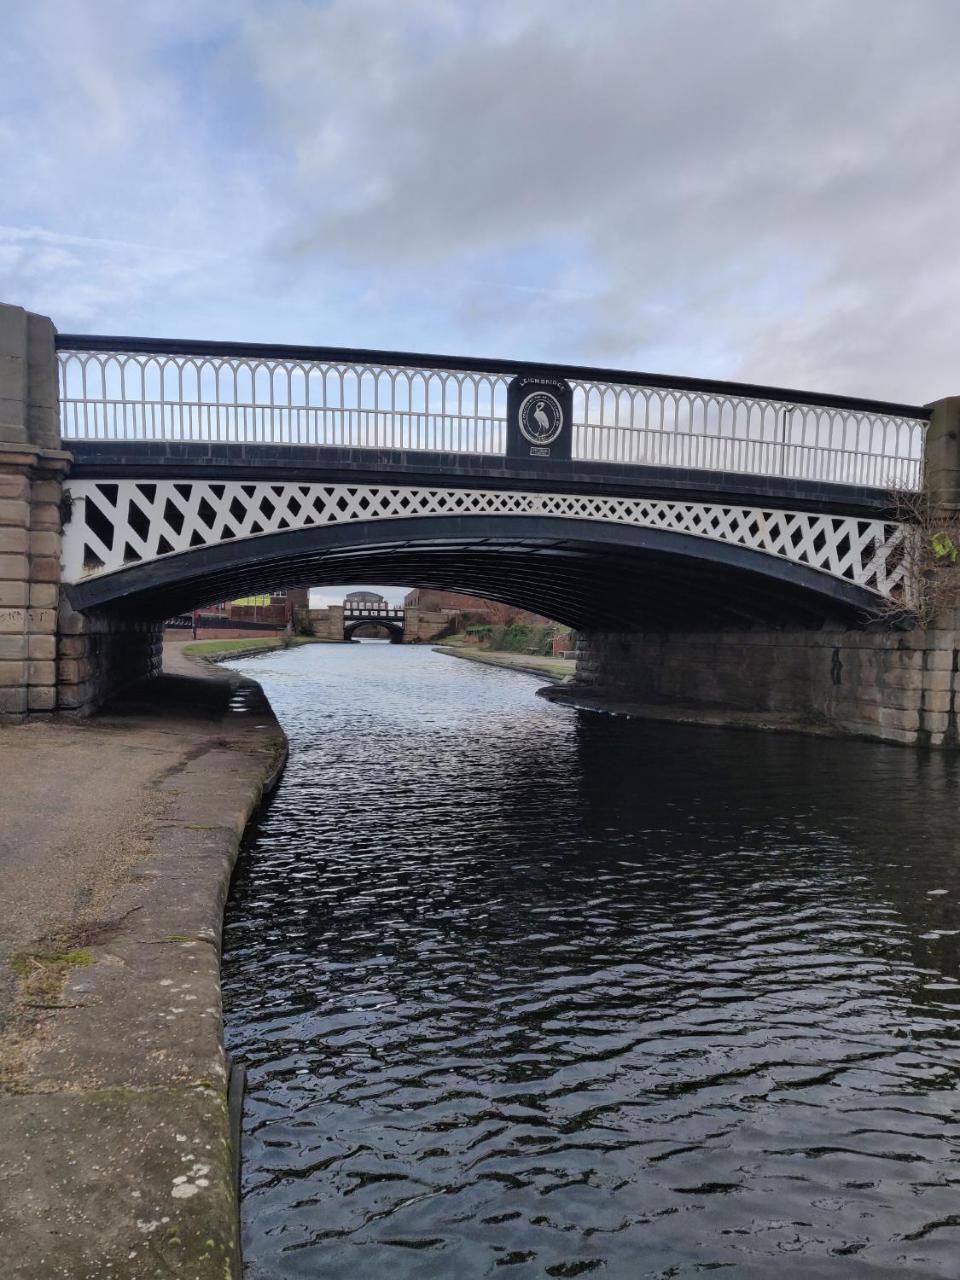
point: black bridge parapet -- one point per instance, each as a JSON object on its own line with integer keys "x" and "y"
{"x": 507, "y": 419}
{"x": 168, "y": 459}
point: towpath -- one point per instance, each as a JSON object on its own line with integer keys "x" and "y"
{"x": 117, "y": 838}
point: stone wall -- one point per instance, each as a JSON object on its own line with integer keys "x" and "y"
{"x": 419, "y": 625}
{"x": 31, "y": 469}
{"x": 327, "y": 624}
{"x": 51, "y": 659}
{"x": 422, "y": 625}
{"x": 894, "y": 686}
{"x": 100, "y": 656}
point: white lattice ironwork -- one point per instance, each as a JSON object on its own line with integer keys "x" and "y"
{"x": 119, "y": 524}
{"x": 251, "y": 399}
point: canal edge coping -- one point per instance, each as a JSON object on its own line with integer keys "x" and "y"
{"x": 120, "y": 1137}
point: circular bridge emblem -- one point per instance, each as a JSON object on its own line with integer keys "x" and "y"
{"x": 540, "y": 417}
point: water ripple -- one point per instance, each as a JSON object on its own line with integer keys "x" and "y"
{"x": 525, "y": 992}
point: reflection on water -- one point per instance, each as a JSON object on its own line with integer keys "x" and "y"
{"x": 528, "y": 992}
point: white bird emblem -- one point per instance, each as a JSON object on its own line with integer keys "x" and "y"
{"x": 543, "y": 422}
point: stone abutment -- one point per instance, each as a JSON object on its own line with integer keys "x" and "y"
{"x": 901, "y": 687}
{"x": 51, "y": 658}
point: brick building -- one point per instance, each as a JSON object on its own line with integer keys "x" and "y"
{"x": 455, "y": 602}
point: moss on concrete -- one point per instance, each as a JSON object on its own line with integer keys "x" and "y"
{"x": 117, "y": 1136}
{"x": 42, "y": 973}
{"x": 27, "y": 962}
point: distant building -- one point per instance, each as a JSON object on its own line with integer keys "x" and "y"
{"x": 363, "y": 597}
{"x": 278, "y": 607}
{"x": 455, "y": 602}
{"x": 426, "y": 598}
{"x": 265, "y": 613}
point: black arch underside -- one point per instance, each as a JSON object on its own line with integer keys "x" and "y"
{"x": 587, "y": 575}
{"x": 393, "y": 629}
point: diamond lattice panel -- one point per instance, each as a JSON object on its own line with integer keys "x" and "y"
{"x": 118, "y": 524}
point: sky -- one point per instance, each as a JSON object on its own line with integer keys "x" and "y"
{"x": 761, "y": 190}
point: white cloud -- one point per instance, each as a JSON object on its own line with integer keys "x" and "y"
{"x": 741, "y": 188}
{"x": 769, "y": 186}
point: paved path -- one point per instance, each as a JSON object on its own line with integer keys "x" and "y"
{"x": 118, "y": 838}
{"x": 79, "y": 803}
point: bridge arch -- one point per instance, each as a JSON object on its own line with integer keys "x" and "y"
{"x": 580, "y": 569}
{"x": 394, "y": 630}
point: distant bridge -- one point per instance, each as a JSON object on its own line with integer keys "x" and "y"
{"x": 363, "y": 614}
{"x": 597, "y": 497}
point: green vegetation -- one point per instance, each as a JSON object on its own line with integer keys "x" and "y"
{"x": 26, "y": 964}
{"x": 516, "y": 637}
{"x": 42, "y": 973}
{"x": 944, "y": 547}
{"x": 202, "y": 648}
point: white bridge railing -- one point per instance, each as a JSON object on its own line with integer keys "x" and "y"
{"x": 371, "y": 612}
{"x": 140, "y": 390}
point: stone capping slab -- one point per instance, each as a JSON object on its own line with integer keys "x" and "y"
{"x": 117, "y": 1153}
{"x": 97, "y": 1160}
{"x": 28, "y": 455}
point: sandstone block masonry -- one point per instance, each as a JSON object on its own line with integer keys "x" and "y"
{"x": 32, "y": 466}
{"x": 901, "y": 687}
{"x": 326, "y": 624}
{"x": 98, "y": 656}
{"x": 51, "y": 659}
{"x": 419, "y": 625}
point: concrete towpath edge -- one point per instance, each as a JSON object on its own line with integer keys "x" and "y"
{"x": 117, "y": 1154}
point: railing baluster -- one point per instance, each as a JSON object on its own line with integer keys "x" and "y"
{"x": 696, "y": 425}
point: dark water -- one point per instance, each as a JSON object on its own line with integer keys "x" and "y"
{"x": 526, "y": 992}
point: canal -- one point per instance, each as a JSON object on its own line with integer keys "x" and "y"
{"x": 525, "y": 992}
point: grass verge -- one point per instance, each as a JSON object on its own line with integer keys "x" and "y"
{"x": 202, "y": 648}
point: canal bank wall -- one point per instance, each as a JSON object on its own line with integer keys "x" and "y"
{"x": 216, "y": 651}
{"x": 119, "y": 840}
{"x": 890, "y": 686}
{"x": 554, "y": 669}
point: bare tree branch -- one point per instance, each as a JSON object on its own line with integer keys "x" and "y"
{"x": 931, "y": 560}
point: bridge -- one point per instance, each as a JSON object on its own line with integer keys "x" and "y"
{"x": 364, "y": 616}
{"x": 345, "y": 621}
{"x": 200, "y": 464}
{"x": 620, "y": 503}
{"x": 403, "y": 624}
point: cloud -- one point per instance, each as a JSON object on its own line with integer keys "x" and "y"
{"x": 106, "y": 157}
{"x": 733, "y": 188}
{"x": 770, "y": 186}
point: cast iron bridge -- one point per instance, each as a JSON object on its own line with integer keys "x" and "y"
{"x": 364, "y": 613}
{"x": 597, "y": 497}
